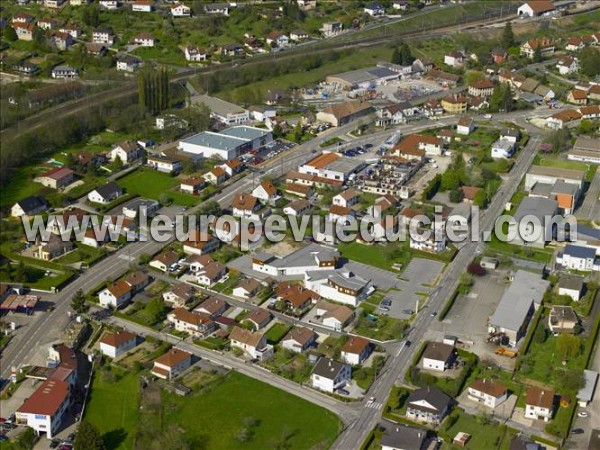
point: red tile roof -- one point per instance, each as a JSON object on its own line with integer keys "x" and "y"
{"x": 47, "y": 399}
{"x": 173, "y": 357}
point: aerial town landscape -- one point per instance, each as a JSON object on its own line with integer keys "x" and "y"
{"x": 299, "y": 224}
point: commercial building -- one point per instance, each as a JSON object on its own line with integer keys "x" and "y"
{"x": 331, "y": 166}
{"x": 228, "y": 145}
{"x": 362, "y": 78}
{"x": 44, "y": 410}
{"x": 339, "y": 286}
{"x": 224, "y": 112}
{"x": 517, "y": 306}
{"x": 533, "y": 222}
{"x": 313, "y": 257}
{"x": 343, "y": 113}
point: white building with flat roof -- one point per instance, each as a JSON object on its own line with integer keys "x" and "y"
{"x": 223, "y": 111}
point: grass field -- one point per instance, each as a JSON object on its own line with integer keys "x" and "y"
{"x": 484, "y": 436}
{"x": 276, "y": 333}
{"x": 113, "y": 408}
{"x": 373, "y": 255}
{"x": 284, "y": 421}
{"x": 151, "y": 184}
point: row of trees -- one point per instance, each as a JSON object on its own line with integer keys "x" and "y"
{"x": 153, "y": 90}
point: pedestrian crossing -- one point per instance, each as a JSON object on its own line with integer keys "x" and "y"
{"x": 374, "y": 405}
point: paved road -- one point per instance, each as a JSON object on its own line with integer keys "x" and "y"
{"x": 345, "y": 411}
{"x": 395, "y": 370}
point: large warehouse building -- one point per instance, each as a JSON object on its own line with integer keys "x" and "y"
{"x": 229, "y": 144}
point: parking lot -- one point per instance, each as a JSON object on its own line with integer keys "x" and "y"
{"x": 267, "y": 152}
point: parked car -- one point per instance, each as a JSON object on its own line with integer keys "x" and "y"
{"x": 577, "y": 431}
{"x": 582, "y": 414}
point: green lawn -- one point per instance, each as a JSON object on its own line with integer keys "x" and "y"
{"x": 276, "y": 333}
{"x": 151, "y": 184}
{"x": 517, "y": 251}
{"x": 484, "y": 436}
{"x": 373, "y": 255}
{"x": 83, "y": 253}
{"x": 113, "y": 408}
{"x": 284, "y": 421}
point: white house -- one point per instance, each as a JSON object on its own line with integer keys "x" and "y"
{"x": 356, "y": 350}
{"x": 44, "y": 410}
{"x": 193, "y": 323}
{"x": 164, "y": 164}
{"x": 144, "y": 40}
{"x": 578, "y": 257}
{"x": 128, "y": 63}
{"x": 567, "y": 65}
{"x": 539, "y": 403}
{"x": 454, "y": 59}
{"x": 465, "y": 126}
{"x": 329, "y": 375}
{"x": 117, "y": 344}
{"x": 211, "y": 274}
{"x": 502, "y": 148}
{"x": 180, "y": 10}
{"x": 171, "y": 364}
{"x": 103, "y": 36}
{"x": 115, "y": 295}
{"x": 297, "y": 208}
{"x": 571, "y": 286}
{"x": 195, "y": 54}
{"x": 28, "y": 207}
{"x": 247, "y": 288}
{"x": 438, "y": 356}
{"x": 299, "y": 339}
{"x": 106, "y": 193}
{"x": 346, "y": 199}
{"x": 487, "y": 392}
{"x": 253, "y": 343}
{"x": 341, "y": 286}
{"x": 374, "y": 9}
{"x": 142, "y": 6}
{"x": 428, "y": 405}
{"x": 266, "y": 192}
{"x": 126, "y": 151}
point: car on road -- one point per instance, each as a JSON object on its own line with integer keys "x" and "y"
{"x": 577, "y": 431}
{"x": 433, "y": 314}
{"x": 582, "y": 414}
{"x": 368, "y": 146}
{"x": 371, "y": 400}
{"x": 487, "y": 116}
{"x": 408, "y": 312}
{"x": 407, "y": 344}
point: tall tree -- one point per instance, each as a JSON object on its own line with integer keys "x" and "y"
{"x": 589, "y": 60}
{"x": 78, "y": 302}
{"x": 537, "y": 54}
{"x": 568, "y": 346}
{"x": 88, "y": 437}
{"x": 10, "y": 34}
{"x": 396, "y": 56}
{"x": 501, "y": 99}
{"x": 508, "y": 37}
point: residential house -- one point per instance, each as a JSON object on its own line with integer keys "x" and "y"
{"x": 232, "y": 167}
{"x": 106, "y": 193}
{"x": 299, "y": 339}
{"x": 103, "y": 36}
{"x": 212, "y": 307}
{"x": 144, "y": 40}
{"x": 192, "y": 185}
{"x": 46, "y": 23}
{"x": 503, "y": 148}
{"x": 259, "y": 318}
{"x": 499, "y": 56}
{"x": 438, "y": 356}
{"x": 53, "y": 248}
{"x": 26, "y": 68}
{"x": 579, "y": 257}
{"x": 211, "y": 274}
{"x": 248, "y": 206}
{"x": 567, "y": 118}
{"x": 200, "y": 244}
{"x": 454, "y": 59}
{"x": 63, "y": 72}
{"x": 62, "y": 41}
{"x": 356, "y": 350}
{"x": 24, "y": 30}
{"x": 164, "y": 164}
{"x": 341, "y": 286}
{"x": 117, "y": 343}
{"x": 295, "y": 297}
{"x": 195, "y": 54}
{"x": 465, "y": 126}
{"x": 142, "y": 6}
{"x": 374, "y": 9}
{"x": 217, "y": 8}
{"x": 330, "y": 29}
{"x": 482, "y": 88}
{"x": 266, "y": 192}
{"x": 469, "y": 193}
{"x": 73, "y": 29}
{"x": 22, "y": 17}
{"x": 546, "y": 47}
{"x": 252, "y": 343}
{"x": 109, "y": 4}
{"x": 128, "y": 63}
{"x": 180, "y": 10}
{"x": 577, "y": 96}
{"x": 571, "y": 286}
{"x": 562, "y": 319}
{"x": 329, "y": 375}
{"x": 57, "y": 178}
{"x": 165, "y": 261}
{"x": 297, "y": 208}
{"x": 28, "y": 206}
{"x": 455, "y": 104}
{"x": 298, "y": 35}
{"x": 216, "y": 176}
{"x": 179, "y": 295}
{"x": 334, "y": 316}
{"x": 127, "y": 152}
{"x": 194, "y": 323}
{"x": 171, "y": 364}
{"x": 487, "y": 392}
{"x": 347, "y": 198}
{"x": 277, "y": 39}
{"x": 394, "y": 114}
{"x": 401, "y": 5}
{"x": 567, "y": 65}
{"x": 534, "y": 8}
{"x": 247, "y": 288}
{"x": 416, "y": 146}
{"x": 539, "y": 403}
{"x": 93, "y": 49}
{"x": 429, "y": 405}
{"x": 115, "y": 295}
{"x": 403, "y": 437}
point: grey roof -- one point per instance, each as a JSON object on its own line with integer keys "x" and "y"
{"x": 586, "y": 143}
{"x": 562, "y": 187}
{"x": 542, "y": 189}
{"x": 512, "y": 132}
{"x": 570, "y": 282}
{"x": 328, "y": 368}
{"x": 432, "y": 395}
{"x": 343, "y": 278}
{"x": 245, "y": 132}
{"x": 137, "y": 203}
{"x": 365, "y": 75}
{"x": 557, "y": 172}
{"x": 345, "y": 165}
{"x": 530, "y": 97}
{"x": 585, "y": 232}
{"x": 32, "y": 203}
{"x": 306, "y": 256}
{"x": 108, "y": 189}
{"x": 218, "y": 106}
{"x": 503, "y": 144}
{"x": 516, "y": 302}
{"x": 579, "y": 251}
{"x": 587, "y": 391}
{"x": 439, "y": 351}
{"x": 382, "y": 72}
{"x": 215, "y": 140}
{"x": 403, "y": 436}
{"x": 538, "y": 207}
